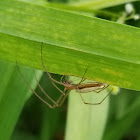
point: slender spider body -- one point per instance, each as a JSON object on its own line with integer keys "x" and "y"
{"x": 89, "y": 87}
{"x": 83, "y": 88}
{"x": 68, "y": 86}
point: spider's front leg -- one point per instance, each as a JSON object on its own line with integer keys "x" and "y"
{"x": 83, "y": 79}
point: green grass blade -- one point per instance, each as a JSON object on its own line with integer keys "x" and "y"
{"x": 13, "y": 95}
{"x": 99, "y": 4}
{"x": 86, "y": 122}
{"x": 72, "y": 41}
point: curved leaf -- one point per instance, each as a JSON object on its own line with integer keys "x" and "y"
{"x": 72, "y": 42}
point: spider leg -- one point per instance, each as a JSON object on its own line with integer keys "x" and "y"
{"x": 46, "y": 69}
{"x": 44, "y": 91}
{"x": 60, "y": 97}
{"x": 83, "y": 79}
{"x": 58, "y": 88}
{"x": 33, "y": 90}
{"x": 65, "y": 96}
{"x": 62, "y": 93}
{"x": 62, "y": 79}
{"x": 95, "y": 103}
{"x": 53, "y": 81}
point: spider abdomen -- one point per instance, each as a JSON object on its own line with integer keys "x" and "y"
{"x": 89, "y": 87}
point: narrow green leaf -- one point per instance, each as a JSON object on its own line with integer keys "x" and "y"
{"x": 86, "y": 122}
{"x": 13, "y": 95}
{"x": 99, "y": 4}
{"x": 72, "y": 41}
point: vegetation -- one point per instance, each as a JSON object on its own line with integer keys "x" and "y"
{"x": 76, "y": 34}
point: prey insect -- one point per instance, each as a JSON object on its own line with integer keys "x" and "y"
{"x": 68, "y": 86}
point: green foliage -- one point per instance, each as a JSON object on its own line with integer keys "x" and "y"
{"x": 14, "y": 94}
{"x": 73, "y": 41}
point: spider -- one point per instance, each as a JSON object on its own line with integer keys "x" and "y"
{"x": 68, "y": 86}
